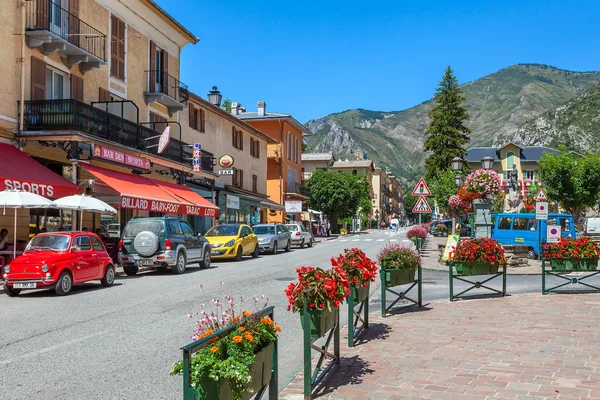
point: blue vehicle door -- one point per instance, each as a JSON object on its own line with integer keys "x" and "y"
{"x": 502, "y": 230}
{"x": 525, "y": 231}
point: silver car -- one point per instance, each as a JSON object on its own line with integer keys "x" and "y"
{"x": 300, "y": 236}
{"x": 273, "y": 237}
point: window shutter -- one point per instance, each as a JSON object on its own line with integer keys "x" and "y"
{"x": 241, "y": 179}
{"x": 42, "y": 19}
{"x": 38, "y": 79}
{"x": 233, "y": 138}
{"x": 257, "y": 148}
{"x": 202, "y": 121}
{"x": 252, "y": 147}
{"x": 74, "y": 22}
{"x": 76, "y": 87}
{"x": 192, "y": 116}
{"x": 121, "y": 49}
{"x": 241, "y": 139}
{"x": 117, "y": 47}
{"x": 103, "y": 95}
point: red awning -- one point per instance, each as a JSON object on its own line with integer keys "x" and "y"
{"x": 21, "y": 172}
{"x": 141, "y": 193}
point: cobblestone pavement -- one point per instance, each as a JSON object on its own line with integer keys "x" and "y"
{"x": 520, "y": 347}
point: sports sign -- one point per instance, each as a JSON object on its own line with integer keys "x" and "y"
{"x": 421, "y": 206}
{"x": 541, "y": 210}
{"x": 421, "y": 189}
{"x": 121, "y": 157}
{"x": 541, "y": 196}
{"x": 552, "y": 233}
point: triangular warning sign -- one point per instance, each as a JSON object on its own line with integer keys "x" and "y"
{"x": 541, "y": 196}
{"x": 421, "y": 206}
{"x": 421, "y": 189}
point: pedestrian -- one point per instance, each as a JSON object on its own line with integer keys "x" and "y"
{"x": 85, "y": 229}
{"x": 328, "y": 228}
{"x": 3, "y": 239}
{"x": 100, "y": 234}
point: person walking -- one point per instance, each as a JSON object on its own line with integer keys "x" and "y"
{"x": 328, "y": 227}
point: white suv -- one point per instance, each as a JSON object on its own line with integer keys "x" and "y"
{"x": 300, "y": 236}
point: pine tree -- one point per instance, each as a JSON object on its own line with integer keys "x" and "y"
{"x": 446, "y": 134}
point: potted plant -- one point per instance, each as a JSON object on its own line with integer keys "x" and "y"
{"x": 324, "y": 290}
{"x": 417, "y": 234}
{"x": 360, "y": 270}
{"x": 343, "y": 231}
{"x": 480, "y": 184}
{"x": 477, "y": 256}
{"x": 398, "y": 263}
{"x": 237, "y": 363}
{"x": 580, "y": 254}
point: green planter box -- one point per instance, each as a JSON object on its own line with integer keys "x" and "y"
{"x": 574, "y": 264}
{"x": 209, "y": 389}
{"x": 397, "y": 277}
{"x": 476, "y": 268}
{"x": 321, "y": 321}
{"x": 361, "y": 293}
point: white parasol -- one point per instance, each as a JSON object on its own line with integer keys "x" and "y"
{"x": 19, "y": 199}
{"x": 84, "y": 203}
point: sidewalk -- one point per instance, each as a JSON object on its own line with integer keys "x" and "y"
{"x": 430, "y": 257}
{"x": 519, "y": 347}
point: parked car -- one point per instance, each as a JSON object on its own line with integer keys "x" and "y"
{"x": 58, "y": 260}
{"x": 591, "y": 228}
{"x": 300, "y": 236}
{"x": 113, "y": 230}
{"x": 465, "y": 229}
{"x": 161, "y": 243}
{"x": 232, "y": 241}
{"x": 273, "y": 237}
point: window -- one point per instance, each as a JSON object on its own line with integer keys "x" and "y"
{"x": 238, "y": 178}
{"x": 55, "y": 85}
{"x": 529, "y": 174}
{"x": 237, "y": 139}
{"x": 254, "y": 148}
{"x": 254, "y": 183}
{"x": 288, "y": 143}
{"x": 375, "y": 196}
{"x": 532, "y": 224}
{"x": 175, "y": 228}
{"x": 97, "y": 244}
{"x": 510, "y": 160}
{"x": 117, "y": 48}
{"x": 187, "y": 230}
{"x": 354, "y": 172}
{"x": 197, "y": 120}
{"x": 245, "y": 231}
{"x": 520, "y": 224}
{"x": 83, "y": 243}
{"x": 504, "y": 223}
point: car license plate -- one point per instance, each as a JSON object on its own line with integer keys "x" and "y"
{"x": 215, "y": 253}
{"x": 31, "y": 285}
{"x": 145, "y": 262}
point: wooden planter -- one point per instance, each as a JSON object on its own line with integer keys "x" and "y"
{"x": 321, "y": 321}
{"x": 574, "y": 264}
{"x": 475, "y": 268}
{"x": 361, "y": 293}
{"x": 209, "y": 389}
{"x": 397, "y": 277}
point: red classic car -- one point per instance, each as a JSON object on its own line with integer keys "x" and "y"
{"x": 58, "y": 260}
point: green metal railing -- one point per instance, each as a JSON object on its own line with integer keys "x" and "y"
{"x": 190, "y": 393}
{"x": 579, "y": 280}
{"x": 356, "y": 316}
{"x": 313, "y": 377}
{"x": 383, "y": 275}
{"x": 476, "y": 284}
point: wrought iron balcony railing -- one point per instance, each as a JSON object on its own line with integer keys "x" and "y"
{"x": 69, "y": 114}
{"x": 47, "y": 15}
{"x": 161, "y": 82}
{"x": 296, "y": 188}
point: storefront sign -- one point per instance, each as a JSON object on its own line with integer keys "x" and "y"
{"x": 201, "y": 211}
{"x": 121, "y": 157}
{"x": 293, "y": 207}
{"x": 36, "y": 188}
{"x": 233, "y": 202}
{"x": 226, "y": 161}
{"x": 149, "y": 205}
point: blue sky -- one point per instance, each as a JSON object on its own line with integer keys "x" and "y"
{"x": 313, "y": 58}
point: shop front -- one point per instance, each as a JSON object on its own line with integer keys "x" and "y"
{"x": 237, "y": 207}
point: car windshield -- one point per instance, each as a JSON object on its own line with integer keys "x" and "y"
{"x": 292, "y": 227}
{"x": 135, "y": 227}
{"x": 113, "y": 227}
{"x": 264, "y": 230}
{"x": 223, "y": 230}
{"x": 49, "y": 242}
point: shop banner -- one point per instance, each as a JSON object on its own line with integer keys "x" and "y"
{"x": 121, "y": 157}
{"x": 233, "y": 202}
{"x": 149, "y": 205}
{"x": 201, "y": 211}
{"x": 293, "y": 207}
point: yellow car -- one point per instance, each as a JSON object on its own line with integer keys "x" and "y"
{"x": 232, "y": 241}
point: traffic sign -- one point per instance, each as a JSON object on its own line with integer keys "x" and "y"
{"x": 421, "y": 189}
{"x": 553, "y": 233}
{"x": 541, "y": 210}
{"x": 541, "y": 196}
{"x": 421, "y": 206}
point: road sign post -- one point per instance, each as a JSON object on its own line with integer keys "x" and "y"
{"x": 421, "y": 206}
{"x": 541, "y": 210}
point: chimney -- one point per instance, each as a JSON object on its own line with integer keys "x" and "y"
{"x": 262, "y": 108}
{"x": 235, "y": 108}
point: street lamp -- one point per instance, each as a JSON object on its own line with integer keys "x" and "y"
{"x": 215, "y": 97}
{"x": 458, "y": 180}
{"x": 487, "y": 162}
{"x": 457, "y": 163}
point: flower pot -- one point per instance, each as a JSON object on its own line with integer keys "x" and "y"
{"x": 574, "y": 264}
{"x": 209, "y": 389}
{"x": 361, "y": 293}
{"x": 397, "y": 277}
{"x": 321, "y": 321}
{"x": 476, "y": 268}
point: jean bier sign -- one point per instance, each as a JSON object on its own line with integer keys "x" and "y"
{"x": 121, "y": 157}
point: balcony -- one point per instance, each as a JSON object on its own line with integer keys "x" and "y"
{"x": 166, "y": 90}
{"x": 296, "y": 190}
{"x": 72, "y": 115}
{"x": 52, "y": 29}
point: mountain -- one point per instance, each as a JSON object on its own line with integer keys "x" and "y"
{"x": 575, "y": 124}
{"x": 499, "y": 104}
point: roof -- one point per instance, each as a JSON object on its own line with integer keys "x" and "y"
{"x": 193, "y": 38}
{"x": 232, "y": 118}
{"x": 318, "y": 157}
{"x": 353, "y": 164}
{"x": 270, "y": 116}
{"x": 528, "y": 153}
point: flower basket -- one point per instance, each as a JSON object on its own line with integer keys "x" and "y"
{"x": 397, "y": 277}
{"x": 476, "y": 268}
{"x": 321, "y": 321}
{"x": 574, "y": 264}
{"x": 361, "y": 293}
{"x": 209, "y": 389}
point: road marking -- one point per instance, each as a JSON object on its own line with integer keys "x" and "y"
{"x": 343, "y": 240}
{"x": 368, "y": 240}
{"x": 356, "y": 240}
{"x": 393, "y": 240}
{"x": 380, "y": 240}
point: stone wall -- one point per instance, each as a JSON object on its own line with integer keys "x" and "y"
{"x": 516, "y": 255}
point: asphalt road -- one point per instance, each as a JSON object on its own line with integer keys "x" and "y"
{"x": 120, "y": 342}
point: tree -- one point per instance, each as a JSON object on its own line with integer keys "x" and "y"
{"x": 337, "y": 194}
{"x": 446, "y": 133}
{"x": 409, "y": 203}
{"x": 226, "y": 105}
{"x": 366, "y": 207}
{"x": 571, "y": 180}
{"x": 443, "y": 186}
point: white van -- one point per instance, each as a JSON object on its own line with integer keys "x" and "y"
{"x": 591, "y": 228}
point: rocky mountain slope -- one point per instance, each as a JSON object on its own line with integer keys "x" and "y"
{"x": 499, "y": 104}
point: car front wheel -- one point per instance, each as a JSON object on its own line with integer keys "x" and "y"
{"x": 109, "y": 276}
{"x": 256, "y": 252}
{"x": 239, "y": 254}
{"x": 206, "y": 260}
{"x": 130, "y": 270}
{"x": 274, "y": 251}
{"x": 288, "y": 247}
{"x": 11, "y": 291}
{"x": 64, "y": 284}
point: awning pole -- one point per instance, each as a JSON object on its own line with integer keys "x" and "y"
{"x": 15, "y": 237}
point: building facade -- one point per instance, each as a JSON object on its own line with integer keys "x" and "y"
{"x": 360, "y": 167}
{"x": 312, "y": 162}
{"x": 284, "y": 159}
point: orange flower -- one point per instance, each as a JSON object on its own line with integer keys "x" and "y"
{"x": 247, "y": 314}
{"x": 214, "y": 349}
{"x": 248, "y": 336}
{"x": 213, "y": 339}
{"x": 237, "y": 339}
{"x": 236, "y": 319}
{"x": 242, "y": 329}
{"x": 267, "y": 321}
{"x": 205, "y": 334}
{"x": 277, "y": 328}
